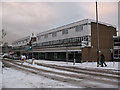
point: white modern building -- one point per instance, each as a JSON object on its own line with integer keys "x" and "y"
{"x": 77, "y": 40}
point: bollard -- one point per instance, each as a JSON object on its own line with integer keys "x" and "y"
{"x": 32, "y": 60}
{"x": 24, "y": 60}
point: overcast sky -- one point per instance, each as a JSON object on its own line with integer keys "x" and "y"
{"x": 20, "y": 19}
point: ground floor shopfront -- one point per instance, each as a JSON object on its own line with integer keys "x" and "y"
{"x": 67, "y": 54}
{"x": 57, "y": 56}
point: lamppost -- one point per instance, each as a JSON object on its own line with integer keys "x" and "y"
{"x": 74, "y": 59}
{"x": 32, "y": 39}
{"x": 97, "y": 35}
{"x": 67, "y": 50}
{"x": 66, "y": 55}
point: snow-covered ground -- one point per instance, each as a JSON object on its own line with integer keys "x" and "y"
{"x": 110, "y": 65}
{"x": 0, "y": 75}
{"x": 13, "y": 78}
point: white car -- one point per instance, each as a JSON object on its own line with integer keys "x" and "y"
{"x": 6, "y": 55}
{"x": 23, "y": 57}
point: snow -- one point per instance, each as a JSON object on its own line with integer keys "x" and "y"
{"x": 110, "y": 65}
{"x": 0, "y": 75}
{"x": 57, "y": 70}
{"x": 46, "y": 68}
{"x": 88, "y": 65}
{"x": 21, "y": 79}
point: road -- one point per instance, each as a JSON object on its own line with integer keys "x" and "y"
{"x": 79, "y": 77}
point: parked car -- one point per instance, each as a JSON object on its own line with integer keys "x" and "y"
{"x": 10, "y": 57}
{"x": 16, "y": 57}
{"x": 1, "y": 56}
{"x": 5, "y": 55}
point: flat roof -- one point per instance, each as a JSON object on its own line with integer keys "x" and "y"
{"x": 74, "y": 24}
{"x": 67, "y": 26}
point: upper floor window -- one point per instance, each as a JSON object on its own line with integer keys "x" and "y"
{"x": 54, "y": 34}
{"x": 65, "y": 31}
{"x": 26, "y": 40}
{"x": 117, "y": 40}
{"x": 39, "y": 37}
{"x": 117, "y": 44}
{"x": 23, "y": 41}
{"x": 79, "y": 28}
{"x": 46, "y": 36}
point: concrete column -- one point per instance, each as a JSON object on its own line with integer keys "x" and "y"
{"x": 67, "y": 57}
{"x": 45, "y": 55}
{"x": 55, "y": 56}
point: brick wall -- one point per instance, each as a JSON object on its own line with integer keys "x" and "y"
{"x": 106, "y": 34}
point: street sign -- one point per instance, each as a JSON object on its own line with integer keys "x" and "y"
{"x": 28, "y": 48}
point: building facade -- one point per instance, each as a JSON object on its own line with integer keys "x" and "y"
{"x": 77, "y": 41}
{"x": 5, "y": 49}
{"x": 116, "y": 48}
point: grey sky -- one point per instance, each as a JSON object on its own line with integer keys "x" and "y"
{"x": 22, "y": 18}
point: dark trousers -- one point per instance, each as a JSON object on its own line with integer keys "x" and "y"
{"x": 103, "y": 63}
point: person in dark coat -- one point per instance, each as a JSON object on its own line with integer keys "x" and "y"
{"x": 102, "y": 60}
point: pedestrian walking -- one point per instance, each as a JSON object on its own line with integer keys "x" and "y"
{"x": 23, "y": 58}
{"x": 102, "y": 60}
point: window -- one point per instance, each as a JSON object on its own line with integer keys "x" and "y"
{"x": 19, "y": 42}
{"x": 82, "y": 39}
{"x": 116, "y": 40}
{"x": 26, "y": 40}
{"x": 65, "y": 40}
{"x": 77, "y": 39}
{"x": 79, "y": 28}
{"x": 73, "y": 39}
{"x": 117, "y": 53}
{"x": 46, "y": 36}
{"x": 116, "y": 44}
{"x": 54, "y": 34}
{"x": 39, "y": 37}
{"x": 89, "y": 38}
{"x": 65, "y": 31}
{"x": 86, "y": 38}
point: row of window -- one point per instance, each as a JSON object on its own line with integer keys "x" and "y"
{"x": 64, "y": 31}
{"x": 116, "y": 39}
{"x": 116, "y": 43}
{"x": 64, "y": 42}
{"x": 117, "y": 54}
{"x": 20, "y": 42}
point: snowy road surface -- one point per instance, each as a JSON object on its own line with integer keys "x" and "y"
{"x": 13, "y": 78}
{"x": 23, "y": 79}
{"x": 110, "y": 65}
{"x": 0, "y": 75}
